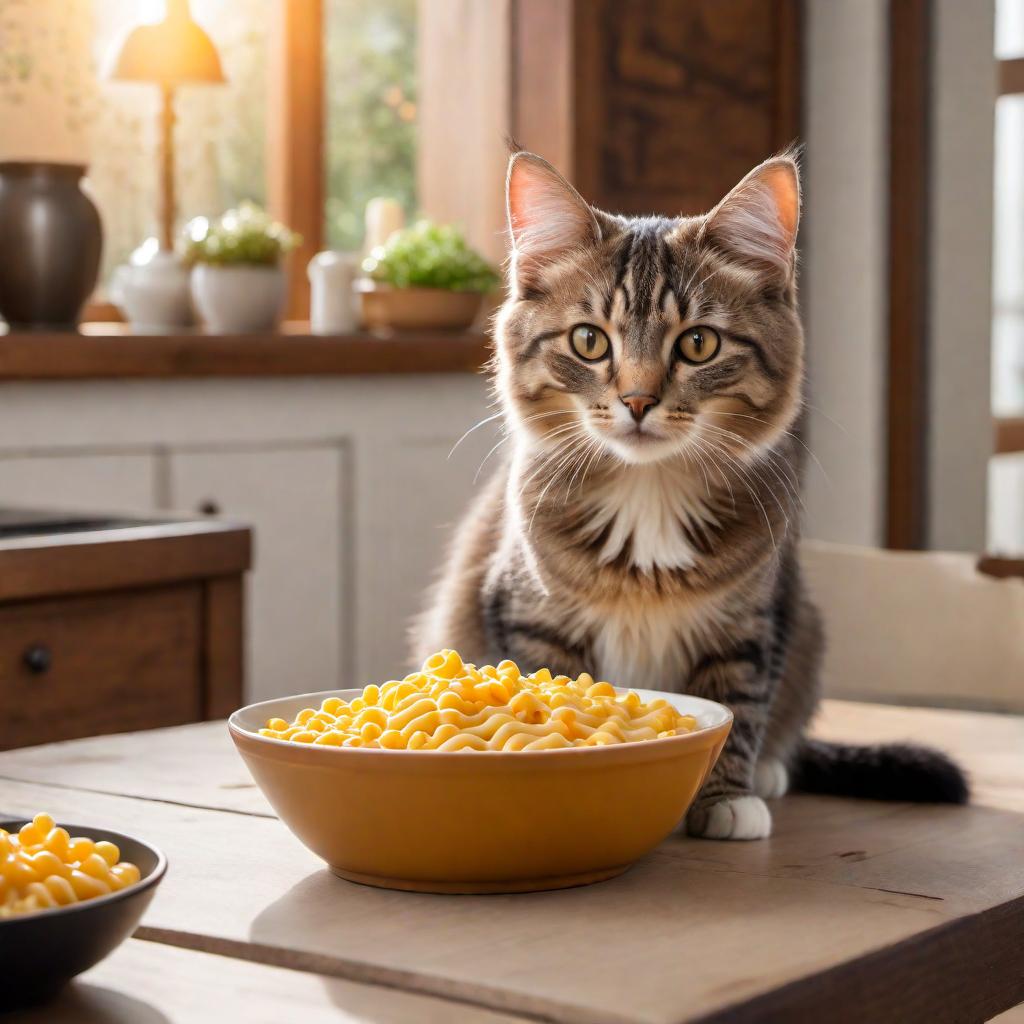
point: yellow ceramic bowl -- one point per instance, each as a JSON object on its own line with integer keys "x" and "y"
{"x": 480, "y": 821}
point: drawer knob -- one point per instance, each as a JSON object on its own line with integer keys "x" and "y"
{"x": 38, "y": 659}
{"x": 209, "y": 507}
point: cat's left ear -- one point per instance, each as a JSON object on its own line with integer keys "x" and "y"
{"x": 757, "y": 221}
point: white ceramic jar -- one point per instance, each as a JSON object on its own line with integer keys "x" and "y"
{"x": 332, "y": 299}
{"x": 238, "y": 299}
{"x": 152, "y": 290}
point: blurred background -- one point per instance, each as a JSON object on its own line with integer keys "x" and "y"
{"x": 331, "y": 438}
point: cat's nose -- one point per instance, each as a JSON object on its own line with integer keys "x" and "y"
{"x": 638, "y": 403}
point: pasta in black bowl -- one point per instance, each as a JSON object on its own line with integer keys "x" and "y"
{"x": 43, "y": 949}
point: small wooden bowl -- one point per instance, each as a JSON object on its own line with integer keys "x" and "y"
{"x": 480, "y": 821}
{"x": 402, "y": 309}
{"x": 42, "y": 951}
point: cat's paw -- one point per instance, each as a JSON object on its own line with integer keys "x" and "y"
{"x": 738, "y": 817}
{"x": 771, "y": 779}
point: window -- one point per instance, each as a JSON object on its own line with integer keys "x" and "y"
{"x": 370, "y": 110}
{"x": 1006, "y": 472}
{"x": 369, "y": 130}
{"x": 221, "y": 132}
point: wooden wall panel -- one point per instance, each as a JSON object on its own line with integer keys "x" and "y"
{"x": 670, "y": 103}
{"x": 688, "y": 103}
{"x": 909, "y": 46}
{"x": 647, "y": 105}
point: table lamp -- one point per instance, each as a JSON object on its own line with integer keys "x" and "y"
{"x": 170, "y": 53}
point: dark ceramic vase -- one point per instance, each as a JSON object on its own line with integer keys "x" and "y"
{"x": 50, "y": 245}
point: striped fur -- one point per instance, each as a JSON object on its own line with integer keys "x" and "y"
{"x": 658, "y": 553}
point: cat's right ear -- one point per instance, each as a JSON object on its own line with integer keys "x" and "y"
{"x": 546, "y": 216}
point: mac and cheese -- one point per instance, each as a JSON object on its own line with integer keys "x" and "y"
{"x": 452, "y": 705}
{"x": 42, "y": 866}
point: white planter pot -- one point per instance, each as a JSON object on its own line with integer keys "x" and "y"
{"x": 238, "y": 300}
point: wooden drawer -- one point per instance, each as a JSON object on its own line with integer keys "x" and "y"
{"x": 96, "y": 664}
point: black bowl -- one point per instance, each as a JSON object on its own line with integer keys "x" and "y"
{"x": 42, "y": 951}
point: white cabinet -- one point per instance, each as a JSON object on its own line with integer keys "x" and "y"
{"x": 346, "y": 482}
{"x": 410, "y": 497}
{"x": 80, "y": 481}
{"x": 294, "y": 497}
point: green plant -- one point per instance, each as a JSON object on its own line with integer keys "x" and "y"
{"x": 244, "y": 235}
{"x": 430, "y": 255}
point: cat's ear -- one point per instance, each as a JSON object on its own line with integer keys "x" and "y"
{"x": 758, "y": 220}
{"x": 546, "y": 215}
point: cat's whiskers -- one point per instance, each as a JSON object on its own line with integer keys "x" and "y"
{"x": 687, "y": 452}
{"x": 558, "y": 452}
{"x": 476, "y": 426}
{"x": 547, "y": 487}
{"x": 508, "y": 433}
{"x": 758, "y": 454}
{"x": 590, "y": 454}
{"x": 787, "y": 433}
{"x": 599, "y": 450}
{"x": 585, "y": 448}
{"x": 699, "y": 444}
{"x": 744, "y": 479}
{"x": 766, "y": 457}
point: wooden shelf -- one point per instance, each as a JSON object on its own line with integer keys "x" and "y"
{"x": 110, "y": 351}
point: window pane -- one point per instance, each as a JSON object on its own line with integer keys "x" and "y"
{"x": 1006, "y": 505}
{"x": 1008, "y": 260}
{"x": 370, "y": 141}
{"x": 1009, "y": 29}
{"x": 220, "y": 134}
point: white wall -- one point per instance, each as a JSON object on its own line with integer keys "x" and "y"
{"x": 845, "y": 269}
{"x": 844, "y": 266}
{"x": 960, "y": 303}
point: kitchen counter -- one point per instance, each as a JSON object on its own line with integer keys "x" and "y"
{"x": 111, "y": 623}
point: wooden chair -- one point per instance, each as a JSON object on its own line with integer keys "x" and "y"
{"x": 920, "y": 627}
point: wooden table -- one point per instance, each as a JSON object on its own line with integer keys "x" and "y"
{"x": 853, "y": 911}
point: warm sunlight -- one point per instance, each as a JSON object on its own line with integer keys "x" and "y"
{"x": 493, "y": 446}
{"x": 151, "y": 11}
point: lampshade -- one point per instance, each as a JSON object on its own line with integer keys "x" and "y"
{"x": 171, "y": 52}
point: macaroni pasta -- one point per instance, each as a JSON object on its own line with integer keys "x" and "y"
{"x": 42, "y": 867}
{"x": 451, "y": 705}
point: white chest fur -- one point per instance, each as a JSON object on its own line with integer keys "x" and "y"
{"x": 651, "y": 645}
{"x": 644, "y": 509}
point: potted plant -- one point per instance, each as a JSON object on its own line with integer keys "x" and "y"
{"x": 238, "y": 281}
{"x": 425, "y": 276}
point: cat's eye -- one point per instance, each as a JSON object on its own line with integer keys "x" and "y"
{"x": 698, "y": 344}
{"x": 589, "y": 342}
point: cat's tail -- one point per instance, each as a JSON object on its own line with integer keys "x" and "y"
{"x": 887, "y": 771}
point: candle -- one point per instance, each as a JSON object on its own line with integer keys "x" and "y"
{"x": 383, "y": 218}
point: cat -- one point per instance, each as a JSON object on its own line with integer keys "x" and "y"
{"x": 645, "y": 525}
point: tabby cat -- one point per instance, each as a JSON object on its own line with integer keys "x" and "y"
{"x": 644, "y": 527}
